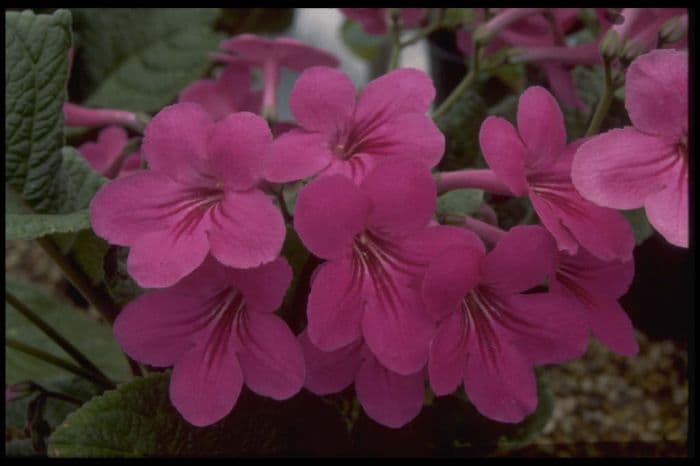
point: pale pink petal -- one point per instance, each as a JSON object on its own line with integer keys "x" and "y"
{"x": 207, "y": 380}
{"x": 449, "y": 277}
{"x": 335, "y": 305}
{"x": 390, "y": 399}
{"x": 263, "y": 287}
{"x": 395, "y": 325}
{"x": 403, "y": 195}
{"x": 323, "y": 100}
{"x": 521, "y": 260}
{"x": 102, "y": 155}
{"x": 405, "y": 90}
{"x": 656, "y": 92}
{"x": 328, "y": 214}
{"x": 621, "y": 167}
{"x": 247, "y": 229}
{"x": 270, "y": 356}
{"x": 541, "y": 127}
{"x": 297, "y": 154}
{"x": 448, "y": 354}
{"x": 236, "y": 147}
{"x": 668, "y": 210}
{"x": 175, "y": 143}
{"x": 330, "y": 371}
{"x": 504, "y": 152}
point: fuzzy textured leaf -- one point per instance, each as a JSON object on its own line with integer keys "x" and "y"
{"x": 31, "y": 226}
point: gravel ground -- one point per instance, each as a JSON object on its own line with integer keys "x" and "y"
{"x": 604, "y": 404}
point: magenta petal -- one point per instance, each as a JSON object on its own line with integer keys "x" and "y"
{"x": 612, "y": 278}
{"x": 621, "y": 167}
{"x": 102, "y": 155}
{"x": 502, "y": 389}
{"x": 247, "y": 229}
{"x": 229, "y": 93}
{"x": 270, "y": 356}
{"x": 263, "y": 287}
{"x": 656, "y": 92}
{"x": 390, "y": 399}
{"x": 206, "y": 382}
{"x": 328, "y": 214}
{"x": 541, "y": 127}
{"x": 522, "y": 259}
{"x": 428, "y": 243}
{"x": 611, "y": 325}
{"x": 449, "y": 277}
{"x": 504, "y": 152}
{"x": 562, "y": 83}
{"x": 448, "y": 355}
{"x": 668, "y": 210}
{"x": 405, "y": 90}
{"x": 330, "y": 371}
{"x": 299, "y": 56}
{"x": 395, "y": 326}
{"x": 402, "y": 193}
{"x": 412, "y": 17}
{"x": 323, "y": 99}
{"x": 175, "y": 142}
{"x": 236, "y": 147}
{"x": 334, "y": 308}
{"x": 297, "y": 154}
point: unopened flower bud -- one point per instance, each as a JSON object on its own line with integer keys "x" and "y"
{"x": 674, "y": 29}
{"x": 611, "y": 44}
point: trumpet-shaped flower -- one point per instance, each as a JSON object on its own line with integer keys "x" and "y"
{"x": 200, "y": 195}
{"x": 342, "y": 134}
{"x": 645, "y": 164}
{"x": 218, "y": 330}
{"x": 489, "y": 334}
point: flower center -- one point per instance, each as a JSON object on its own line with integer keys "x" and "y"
{"x": 192, "y": 207}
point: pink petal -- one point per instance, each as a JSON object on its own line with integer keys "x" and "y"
{"x": 405, "y": 90}
{"x": 403, "y": 196}
{"x": 247, "y": 229}
{"x": 323, "y": 100}
{"x": 299, "y": 56}
{"x": 448, "y": 355}
{"x": 101, "y": 155}
{"x": 390, "y": 399}
{"x": 263, "y": 287}
{"x": 611, "y": 325}
{"x": 297, "y": 154}
{"x": 428, "y": 243}
{"x": 592, "y": 274}
{"x": 328, "y": 214}
{"x": 236, "y": 147}
{"x": 330, "y": 371}
{"x": 395, "y": 325}
{"x": 541, "y": 127}
{"x": 270, "y": 356}
{"x": 545, "y": 328}
{"x": 562, "y": 84}
{"x": 355, "y": 168}
{"x": 668, "y": 210}
{"x": 656, "y": 92}
{"x": 335, "y": 308}
{"x": 622, "y": 167}
{"x": 205, "y": 93}
{"x": 521, "y": 260}
{"x": 175, "y": 143}
{"x": 504, "y": 152}
{"x": 206, "y": 381}
{"x": 229, "y": 93}
{"x": 449, "y": 277}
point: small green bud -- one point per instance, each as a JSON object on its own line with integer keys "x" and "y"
{"x": 611, "y": 44}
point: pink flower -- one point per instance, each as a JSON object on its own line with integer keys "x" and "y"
{"x": 489, "y": 334}
{"x": 534, "y": 160}
{"x": 218, "y": 330}
{"x": 342, "y": 134}
{"x": 103, "y": 155}
{"x": 199, "y": 196}
{"x": 594, "y": 287}
{"x": 391, "y": 399}
{"x": 271, "y": 55}
{"x": 375, "y": 20}
{"x": 76, "y": 115}
{"x": 375, "y": 241}
{"x": 641, "y": 25}
{"x": 645, "y": 164}
{"x": 228, "y": 93}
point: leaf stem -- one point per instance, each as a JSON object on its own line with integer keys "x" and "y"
{"x": 605, "y": 100}
{"x": 462, "y": 86}
{"x": 396, "y": 46}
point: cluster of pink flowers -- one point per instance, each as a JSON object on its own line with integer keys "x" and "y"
{"x": 398, "y": 300}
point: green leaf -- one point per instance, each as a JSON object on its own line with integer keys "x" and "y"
{"x": 36, "y": 69}
{"x": 459, "y": 202}
{"x": 138, "y": 419}
{"x": 460, "y": 125}
{"x": 360, "y": 43}
{"x": 31, "y": 226}
{"x": 139, "y": 59}
{"x": 455, "y": 17}
{"x": 76, "y": 182}
{"x": 91, "y": 337}
{"x": 639, "y": 223}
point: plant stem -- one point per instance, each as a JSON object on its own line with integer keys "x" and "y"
{"x": 471, "y": 178}
{"x": 396, "y": 46}
{"x": 58, "y": 362}
{"x": 462, "y": 86}
{"x": 44, "y": 326}
{"x": 605, "y": 100}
